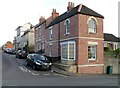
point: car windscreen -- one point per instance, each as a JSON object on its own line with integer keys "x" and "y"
{"x": 40, "y": 57}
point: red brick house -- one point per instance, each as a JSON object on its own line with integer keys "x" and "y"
{"x": 40, "y": 35}
{"x": 77, "y": 37}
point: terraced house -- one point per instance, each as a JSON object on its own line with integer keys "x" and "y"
{"x": 111, "y": 41}
{"x": 75, "y": 36}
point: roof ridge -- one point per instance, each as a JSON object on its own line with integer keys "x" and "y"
{"x": 80, "y": 7}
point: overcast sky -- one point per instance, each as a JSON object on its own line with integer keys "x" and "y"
{"x": 14, "y": 13}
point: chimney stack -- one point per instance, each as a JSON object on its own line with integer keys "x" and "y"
{"x": 54, "y": 14}
{"x": 42, "y": 19}
{"x": 70, "y": 6}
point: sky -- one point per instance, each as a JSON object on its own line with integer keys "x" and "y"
{"x": 14, "y": 13}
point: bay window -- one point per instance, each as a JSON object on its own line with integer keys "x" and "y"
{"x": 68, "y": 50}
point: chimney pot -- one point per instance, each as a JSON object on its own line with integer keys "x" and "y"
{"x": 70, "y": 6}
{"x": 54, "y": 14}
{"x": 42, "y": 19}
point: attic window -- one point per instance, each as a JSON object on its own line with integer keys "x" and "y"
{"x": 67, "y": 26}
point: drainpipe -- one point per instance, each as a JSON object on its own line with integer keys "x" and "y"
{"x": 59, "y": 40}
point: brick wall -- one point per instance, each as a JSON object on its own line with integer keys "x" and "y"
{"x": 73, "y": 28}
{"x": 82, "y": 45}
{"x": 82, "y": 51}
{"x": 114, "y": 62}
{"x": 83, "y": 27}
{"x": 91, "y": 69}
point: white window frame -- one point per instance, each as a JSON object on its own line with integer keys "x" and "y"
{"x": 115, "y": 46}
{"x": 105, "y": 44}
{"x": 91, "y": 30}
{"x": 90, "y": 43}
{"x": 68, "y": 50}
{"x": 50, "y": 50}
{"x": 67, "y": 27}
{"x": 43, "y": 45}
{"x": 39, "y": 28}
{"x": 50, "y": 34}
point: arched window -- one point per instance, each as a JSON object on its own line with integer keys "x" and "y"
{"x": 92, "y": 25}
{"x": 67, "y": 25}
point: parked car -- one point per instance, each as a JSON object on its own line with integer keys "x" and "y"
{"x": 37, "y": 61}
{"x": 12, "y": 51}
{"x": 7, "y": 50}
{"x": 21, "y": 54}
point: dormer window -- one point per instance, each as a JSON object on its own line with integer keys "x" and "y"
{"x": 92, "y": 25}
{"x": 67, "y": 26}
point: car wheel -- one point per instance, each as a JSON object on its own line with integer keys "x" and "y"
{"x": 33, "y": 67}
{"x": 49, "y": 68}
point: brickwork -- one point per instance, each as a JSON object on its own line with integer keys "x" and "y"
{"x": 78, "y": 32}
{"x": 91, "y": 69}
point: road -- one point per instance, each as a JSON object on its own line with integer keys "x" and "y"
{"x": 15, "y": 73}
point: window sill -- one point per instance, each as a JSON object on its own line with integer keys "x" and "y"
{"x": 93, "y": 33}
{"x": 92, "y": 60}
{"x": 67, "y": 59}
{"x": 66, "y": 34}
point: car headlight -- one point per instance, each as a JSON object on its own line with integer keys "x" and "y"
{"x": 45, "y": 63}
{"x": 50, "y": 63}
{"x": 38, "y": 63}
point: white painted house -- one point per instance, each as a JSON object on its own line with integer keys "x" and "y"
{"x": 27, "y": 39}
{"x": 20, "y": 32}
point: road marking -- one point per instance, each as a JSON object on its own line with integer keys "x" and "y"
{"x": 24, "y": 70}
{"x": 34, "y": 73}
{"x": 46, "y": 74}
{"x": 61, "y": 75}
{"x": 29, "y": 71}
{"x": 52, "y": 71}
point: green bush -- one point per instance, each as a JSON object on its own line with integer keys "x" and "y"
{"x": 30, "y": 48}
{"x": 109, "y": 53}
{"x": 106, "y": 49}
{"x": 117, "y": 51}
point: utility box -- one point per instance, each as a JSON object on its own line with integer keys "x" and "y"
{"x": 109, "y": 69}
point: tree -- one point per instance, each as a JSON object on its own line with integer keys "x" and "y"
{"x": 106, "y": 49}
{"x": 31, "y": 48}
{"x": 117, "y": 51}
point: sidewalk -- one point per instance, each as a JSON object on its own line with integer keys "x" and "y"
{"x": 58, "y": 70}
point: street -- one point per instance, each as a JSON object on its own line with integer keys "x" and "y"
{"x": 16, "y": 73}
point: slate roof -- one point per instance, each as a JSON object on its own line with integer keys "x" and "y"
{"x": 118, "y": 39}
{"x": 111, "y": 37}
{"x": 37, "y": 25}
{"x": 80, "y": 9}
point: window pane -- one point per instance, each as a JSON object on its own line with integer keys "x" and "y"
{"x": 68, "y": 54}
{"x": 65, "y": 51}
{"x": 67, "y": 23}
{"x": 50, "y": 34}
{"x": 91, "y": 52}
{"x": 92, "y": 25}
{"x": 71, "y": 51}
